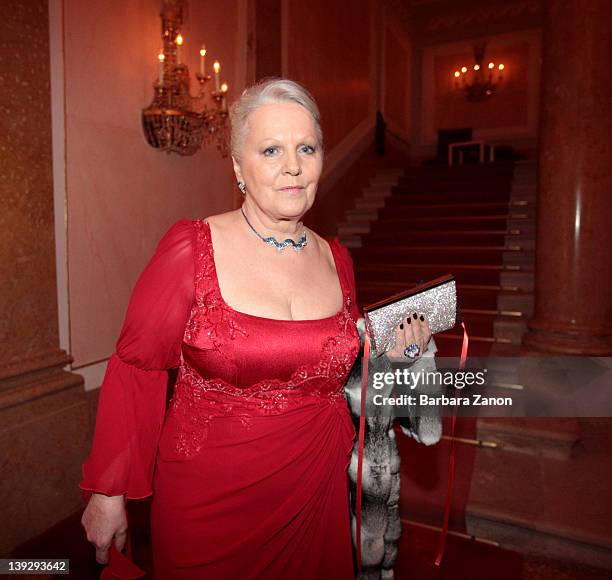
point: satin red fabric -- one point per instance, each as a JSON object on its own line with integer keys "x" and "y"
{"x": 248, "y": 465}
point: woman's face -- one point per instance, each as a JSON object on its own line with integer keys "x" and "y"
{"x": 281, "y": 160}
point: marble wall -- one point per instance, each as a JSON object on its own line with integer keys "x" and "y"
{"x": 328, "y": 49}
{"x": 122, "y": 195}
{"x": 397, "y": 82}
{"x": 28, "y": 327}
{"x": 43, "y": 412}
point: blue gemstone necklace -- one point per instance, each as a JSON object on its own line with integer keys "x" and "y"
{"x": 280, "y": 246}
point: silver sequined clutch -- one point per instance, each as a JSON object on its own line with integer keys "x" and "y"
{"x": 437, "y": 300}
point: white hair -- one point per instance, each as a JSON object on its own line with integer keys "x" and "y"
{"x": 266, "y": 91}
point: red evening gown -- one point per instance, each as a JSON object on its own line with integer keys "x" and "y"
{"x": 248, "y": 465}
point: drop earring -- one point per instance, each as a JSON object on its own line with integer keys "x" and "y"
{"x": 242, "y": 187}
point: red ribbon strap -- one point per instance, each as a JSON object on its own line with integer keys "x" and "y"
{"x": 362, "y": 412}
{"x": 451, "y": 460}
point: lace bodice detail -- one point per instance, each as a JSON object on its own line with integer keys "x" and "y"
{"x": 235, "y": 364}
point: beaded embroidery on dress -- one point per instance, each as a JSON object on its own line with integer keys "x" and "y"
{"x": 213, "y": 339}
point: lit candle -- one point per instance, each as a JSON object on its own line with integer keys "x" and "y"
{"x": 224, "y": 88}
{"x": 217, "y": 69}
{"x": 179, "y": 44}
{"x": 161, "y": 57}
{"x": 203, "y": 60}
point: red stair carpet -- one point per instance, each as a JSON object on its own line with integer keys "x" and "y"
{"x": 462, "y": 220}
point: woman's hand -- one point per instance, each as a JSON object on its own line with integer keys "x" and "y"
{"x": 105, "y": 519}
{"x": 413, "y": 329}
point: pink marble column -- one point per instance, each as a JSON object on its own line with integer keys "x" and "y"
{"x": 44, "y": 420}
{"x": 573, "y": 286}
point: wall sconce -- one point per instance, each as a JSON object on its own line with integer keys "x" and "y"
{"x": 175, "y": 121}
{"x": 478, "y": 82}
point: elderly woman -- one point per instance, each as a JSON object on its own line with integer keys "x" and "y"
{"x": 248, "y": 464}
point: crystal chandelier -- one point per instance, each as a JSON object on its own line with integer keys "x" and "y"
{"x": 175, "y": 121}
{"x": 479, "y": 82}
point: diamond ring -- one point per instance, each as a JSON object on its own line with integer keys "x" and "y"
{"x": 412, "y": 350}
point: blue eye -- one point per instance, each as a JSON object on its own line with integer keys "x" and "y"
{"x": 307, "y": 149}
{"x": 268, "y": 151}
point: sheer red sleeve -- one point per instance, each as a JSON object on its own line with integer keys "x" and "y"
{"x": 133, "y": 394}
